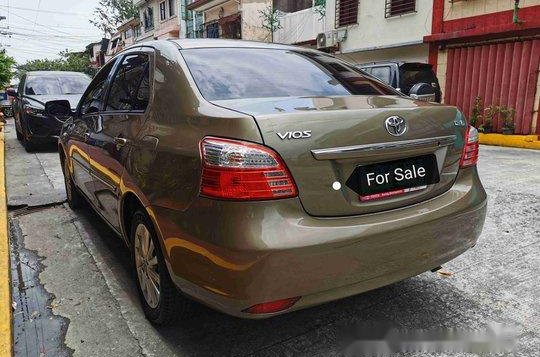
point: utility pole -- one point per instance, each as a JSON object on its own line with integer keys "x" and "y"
{"x": 2, "y": 49}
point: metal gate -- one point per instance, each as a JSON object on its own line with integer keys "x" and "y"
{"x": 503, "y": 74}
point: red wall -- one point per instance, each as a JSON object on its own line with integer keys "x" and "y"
{"x": 501, "y": 74}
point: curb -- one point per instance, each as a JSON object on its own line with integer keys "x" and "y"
{"x": 516, "y": 141}
{"x": 6, "y": 333}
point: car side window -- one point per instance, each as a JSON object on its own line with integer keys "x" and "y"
{"x": 93, "y": 100}
{"x": 382, "y": 73}
{"x": 130, "y": 89}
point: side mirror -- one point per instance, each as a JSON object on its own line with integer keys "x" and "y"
{"x": 423, "y": 91}
{"x": 58, "y": 108}
{"x": 12, "y": 92}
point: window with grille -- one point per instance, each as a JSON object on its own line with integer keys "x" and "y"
{"x": 346, "y": 12}
{"x": 399, "y": 7}
{"x": 162, "y": 11}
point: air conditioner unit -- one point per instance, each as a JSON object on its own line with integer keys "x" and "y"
{"x": 330, "y": 39}
{"x": 326, "y": 40}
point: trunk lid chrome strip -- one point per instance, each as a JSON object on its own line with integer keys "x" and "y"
{"x": 347, "y": 152}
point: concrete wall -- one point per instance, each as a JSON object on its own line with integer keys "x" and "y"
{"x": 252, "y": 22}
{"x": 375, "y": 31}
{"x": 414, "y": 53}
{"x": 460, "y": 9}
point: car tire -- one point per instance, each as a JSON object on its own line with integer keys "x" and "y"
{"x": 29, "y": 146}
{"x": 75, "y": 199}
{"x": 161, "y": 301}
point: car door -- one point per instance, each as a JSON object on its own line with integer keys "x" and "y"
{"x": 86, "y": 121}
{"x": 125, "y": 112}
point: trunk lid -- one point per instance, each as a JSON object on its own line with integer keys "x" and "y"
{"x": 348, "y": 132}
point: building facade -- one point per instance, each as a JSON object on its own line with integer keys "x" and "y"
{"x": 489, "y": 49}
{"x": 360, "y": 30}
{"x": 159, "y": 19}
{"x": 125, "y": 36}
{"x": 97, "y": 51}
{"x": 234, "y": 19}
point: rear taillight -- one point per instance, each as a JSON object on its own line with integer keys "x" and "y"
{"x": 469, "y": 157}
{"x": 272, "y": 307}
{"x": 238, "y": 170}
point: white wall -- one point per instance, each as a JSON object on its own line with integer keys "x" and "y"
{"x": 374, "y": 31}
{"x": 414, "y": 53}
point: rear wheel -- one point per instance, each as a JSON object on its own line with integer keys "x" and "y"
{"x": 74, "y": 198}
{"x": 162, "y": 303}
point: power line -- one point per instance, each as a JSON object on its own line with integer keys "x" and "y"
{"x": 37, "y": 14}
{"x": 45, "y": 26}
{"x": 47, "y": 11}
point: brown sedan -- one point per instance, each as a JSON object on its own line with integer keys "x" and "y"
{"x": 260, "y": 179}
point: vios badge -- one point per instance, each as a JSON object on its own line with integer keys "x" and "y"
{"x": 395, "y": 125}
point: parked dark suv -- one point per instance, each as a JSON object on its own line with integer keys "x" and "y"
{"x": 262, "y": 178}
{"x": 33, "y": 126}
{"x": 417, "y": 80}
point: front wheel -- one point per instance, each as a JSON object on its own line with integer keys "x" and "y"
{"x": 161, "y": 302}
{"x": 29, "y": 146}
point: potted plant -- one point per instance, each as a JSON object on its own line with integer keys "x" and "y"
{"x": 507, "y": 115}
{"x": 490, "y": 114}
{"x": 476, "y": 115}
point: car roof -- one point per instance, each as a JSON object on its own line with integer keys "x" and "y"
{"x": 54, "y": 73}
{"x": 189, "y": 43}
{"x": 399, "y": 63}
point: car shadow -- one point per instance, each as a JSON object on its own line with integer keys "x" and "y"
{"x": 423, "y": 302}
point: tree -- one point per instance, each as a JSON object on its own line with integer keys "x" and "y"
{"x": 6, "y": 65}
{"x": 68, "y": 61}
{"x": 111, "y": 13}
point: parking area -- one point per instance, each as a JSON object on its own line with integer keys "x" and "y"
{"x": 73, "y": 290}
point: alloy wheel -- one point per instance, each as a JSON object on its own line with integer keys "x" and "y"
{"x": 146, "y": 263}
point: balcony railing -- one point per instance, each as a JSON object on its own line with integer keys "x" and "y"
{"x": 300, "y": 27}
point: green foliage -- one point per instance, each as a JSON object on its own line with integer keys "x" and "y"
{"x": 506, "y": 114}
{"x": 320, "y": 8}
{"x": 68, "y": 61}
{"x": 111, "y": 13}
{"x": 6, "y": 65}
{"x": 270, "y": 19}
{"x": 477, "y": 110}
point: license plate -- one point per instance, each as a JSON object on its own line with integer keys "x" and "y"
{"x": 392, "y": 178}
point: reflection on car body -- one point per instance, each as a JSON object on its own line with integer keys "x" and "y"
{"x": 188, "y": 150}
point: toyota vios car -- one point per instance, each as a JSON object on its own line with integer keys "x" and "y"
{"x": 35, "y": 89}
{"x": 260, "y": 179}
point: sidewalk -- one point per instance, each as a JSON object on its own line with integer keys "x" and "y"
{"x": 516, "y": 141}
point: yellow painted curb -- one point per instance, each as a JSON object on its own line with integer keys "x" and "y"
{"x": 6, "y": 333}
{"x": 516, "y": 141}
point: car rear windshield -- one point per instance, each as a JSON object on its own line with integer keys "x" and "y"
{"x": 56, "y": 85}
{"x": 412, "y": 74}
{"x": 238, "y": 73}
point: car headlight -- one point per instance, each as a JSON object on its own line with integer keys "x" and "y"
{"x": 36, "y": 112}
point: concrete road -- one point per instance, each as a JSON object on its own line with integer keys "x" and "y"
{"x": 75, "y": 294}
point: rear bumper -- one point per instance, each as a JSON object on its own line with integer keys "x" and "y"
{"x": 232, "y": 255}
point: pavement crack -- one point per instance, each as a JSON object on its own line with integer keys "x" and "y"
{"x": 36, "y": 329}
{"x": 22, "y": 210}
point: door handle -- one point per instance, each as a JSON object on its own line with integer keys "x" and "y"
{"x": 120, "y": 142}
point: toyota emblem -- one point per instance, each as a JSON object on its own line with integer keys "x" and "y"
{"x": 395, "y": 125}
